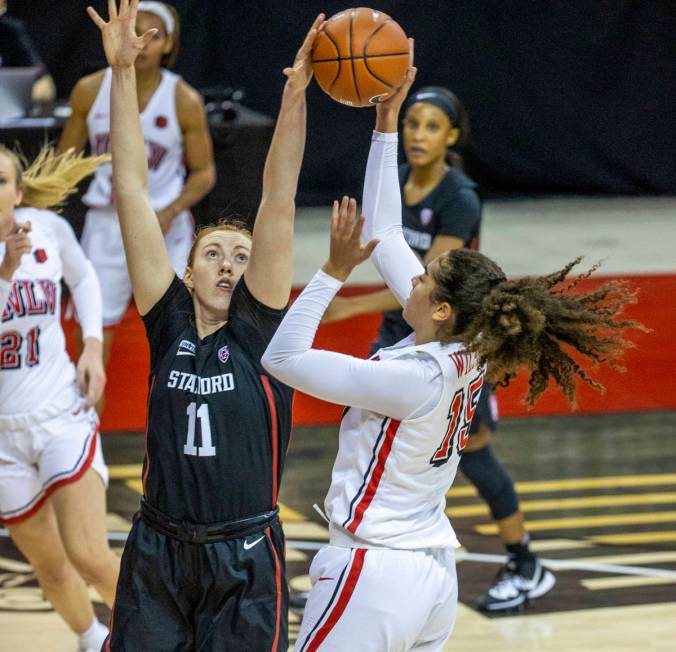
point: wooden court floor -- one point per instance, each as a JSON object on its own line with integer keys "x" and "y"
{"x": 599, "y": 495}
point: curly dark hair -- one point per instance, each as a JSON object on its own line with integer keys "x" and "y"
{"x": 532, "y": 322}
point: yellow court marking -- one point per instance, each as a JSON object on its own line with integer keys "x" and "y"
{"x": 615, "y": 582}
{"x": 124, "y": 471}
{"x": 572, "y": 484}
{"x": 585, "y": 502}
{"x": 583, "y": 522}
{"x": 547, "y": 545}
{"x": 290, "y": 515}
{"x": 136, "y": 485}
{"x": 636, "y": 537}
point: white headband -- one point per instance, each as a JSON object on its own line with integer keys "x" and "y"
{"x": 161, "y": 11}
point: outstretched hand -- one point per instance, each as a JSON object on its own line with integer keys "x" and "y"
{"x": 388, "y": 110}
{"x": 346, "y": 251}
{"x": 17, "y": 243}
{"x": 300, "y": 74}
{"x": 120, "y": 42}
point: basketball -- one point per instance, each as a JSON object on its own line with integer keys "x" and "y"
{"x": 360, "y": 55}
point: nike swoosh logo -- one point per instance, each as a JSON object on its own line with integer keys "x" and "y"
{"x": 248, "y": 545}
{"x": 185, "y": 353}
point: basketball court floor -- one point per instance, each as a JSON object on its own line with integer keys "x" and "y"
{"x": 598, "y": 489}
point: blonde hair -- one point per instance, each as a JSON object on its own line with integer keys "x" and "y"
{"x": 51, "y": 178}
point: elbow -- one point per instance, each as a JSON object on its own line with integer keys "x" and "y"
{"x": 269, "y": 362}
{"x": 210, "y": 179}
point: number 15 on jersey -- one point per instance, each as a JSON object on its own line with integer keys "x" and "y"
{"x": 460, "y": 417}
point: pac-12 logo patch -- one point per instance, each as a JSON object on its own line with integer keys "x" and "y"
{"x": 223, "y": 354}
{"x": 186, "y": 347}
{"x": 40, "y": 255}
{"x": 426, "y": 216}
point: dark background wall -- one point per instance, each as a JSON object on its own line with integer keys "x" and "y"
{"x": 564, "y": 95}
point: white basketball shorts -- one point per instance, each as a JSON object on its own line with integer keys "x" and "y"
{"x": 41, "y": 452}
{"x": 372, "y": 600}
{"x": 102, "y": 243}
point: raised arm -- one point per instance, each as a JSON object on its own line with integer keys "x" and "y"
{"x": 149, "y": 268}
{"x": 393, "y": 258}
{"x": 340, "y": 378}
{"x": 269, "y": 274}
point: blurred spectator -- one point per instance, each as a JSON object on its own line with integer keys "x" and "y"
{"x": 18, "y": 50}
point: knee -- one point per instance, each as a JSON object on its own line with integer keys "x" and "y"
{"x": 485, "y": 472}
{"x": 53, "y": 574}
{"x": 92, "y": 562}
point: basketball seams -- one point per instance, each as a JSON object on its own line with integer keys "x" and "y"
{"x": 354, "y": 72}
{"x": 340, "y": 64}
{"x": 370, "y": 56}
{"x": 355, "y": 33}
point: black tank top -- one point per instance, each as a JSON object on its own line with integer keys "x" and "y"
{"x": 218, "y": 425}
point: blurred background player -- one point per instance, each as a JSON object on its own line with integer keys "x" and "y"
{"x": 442, "y": 211}
{"x": 17, "y": 50}
{"x": 175, "y": 130}
{"x": 52, "y": 474}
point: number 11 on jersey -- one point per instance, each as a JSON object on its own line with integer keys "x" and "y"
{"x": 201, "y": 413}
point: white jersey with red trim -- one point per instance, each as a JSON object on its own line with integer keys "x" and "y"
{"x": 34, "y": 364}
{"x": 163, "y": 140}
{"x": 390, "y": 478}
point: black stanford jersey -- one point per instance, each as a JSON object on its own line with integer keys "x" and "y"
{"x": 218, "y": 426}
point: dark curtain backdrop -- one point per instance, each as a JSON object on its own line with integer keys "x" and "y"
{"x": 564, "y": 95}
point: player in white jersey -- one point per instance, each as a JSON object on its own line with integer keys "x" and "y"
{"x": 175, "y": 129}
{"x": 52, "y": 473}
{"x": 387, "y": 579}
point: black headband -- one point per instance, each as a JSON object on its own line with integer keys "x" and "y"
{"x": 432, "y": 96}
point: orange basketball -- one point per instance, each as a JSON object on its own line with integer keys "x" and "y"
{"x": 360, "y": 55}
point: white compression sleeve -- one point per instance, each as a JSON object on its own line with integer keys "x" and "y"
{"x": 81, "y": 278}
{"x": 343, "y": 379}
{"x": 393, "y": 258}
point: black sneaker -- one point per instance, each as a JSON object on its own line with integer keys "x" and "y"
{"x": 515, "y": 584}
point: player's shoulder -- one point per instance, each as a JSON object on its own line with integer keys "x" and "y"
{"x": 85, "y": 90}
{"x": 455, "y": 179}
{"x": 41, "y": 216}
{"x": 187, "y": 95}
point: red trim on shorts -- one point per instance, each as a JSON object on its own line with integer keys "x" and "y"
{"x": 60, "y": 483}
{"x": 278, "y": 584}
{"x": 145, "y": 474}
{"x": 106, "y": 647}
{"x": 377, "y": 474}
{"x": 341, "y": 605}
{"x": 273, "y": 435}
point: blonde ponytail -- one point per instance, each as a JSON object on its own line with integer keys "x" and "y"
{"x": 51, "y": 177}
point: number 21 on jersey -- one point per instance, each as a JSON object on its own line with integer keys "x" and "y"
{"x": 460, "y": 417}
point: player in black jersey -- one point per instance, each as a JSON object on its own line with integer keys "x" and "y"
{"x": 441, "y": 211}
{"x": 203, "y": 567}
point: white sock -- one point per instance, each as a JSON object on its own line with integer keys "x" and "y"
{"x": 93, "y": 638}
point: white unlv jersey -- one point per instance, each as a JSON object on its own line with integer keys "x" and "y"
{"x": 390, "y": 478}
{"x": 163, "y": 139}
{"x": 34, "y": 365}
